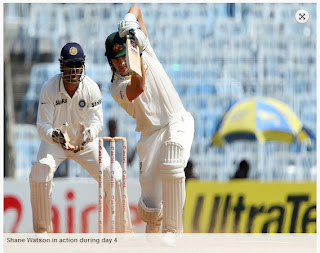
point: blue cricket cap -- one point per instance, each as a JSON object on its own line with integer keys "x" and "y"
{"x": 72, "y": 52}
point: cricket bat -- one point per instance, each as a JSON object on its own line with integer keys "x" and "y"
{"x": 133, "y": 56}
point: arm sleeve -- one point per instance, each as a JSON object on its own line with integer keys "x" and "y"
{"x": 95, "y": 114}
{"x": 119, "y": 91}
{"x": 45, "y": 116}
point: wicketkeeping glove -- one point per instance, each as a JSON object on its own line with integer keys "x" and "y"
{"x": 125, "y": 26}
{"x": 60, "y": 136}
{"x": 83, "y": 137}
{"x": 86, "y": 137}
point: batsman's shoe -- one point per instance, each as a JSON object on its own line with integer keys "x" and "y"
{"x": 169, "y": 239}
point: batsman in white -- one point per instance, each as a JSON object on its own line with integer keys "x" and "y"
{"x": 166, "y": 128}
{"x": 69, "y": 122}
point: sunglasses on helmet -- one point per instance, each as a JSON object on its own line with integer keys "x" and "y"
{"x": 72, "y": 64}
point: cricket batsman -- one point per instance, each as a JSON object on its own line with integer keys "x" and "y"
{"x": 167, "y": 129}
{"x": 69, "y": 122}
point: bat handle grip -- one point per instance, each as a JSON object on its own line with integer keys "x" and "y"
{"x": 131, "y": 32}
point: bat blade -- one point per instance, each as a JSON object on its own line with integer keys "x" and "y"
{"x": 133, "y": 57}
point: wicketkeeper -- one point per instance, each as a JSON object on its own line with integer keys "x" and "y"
{"x": 166, "y": 128}
{"x": 69, "y": 122}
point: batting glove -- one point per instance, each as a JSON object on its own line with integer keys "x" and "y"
{"x": 125, "y": 26}
{"x": 140, "y": 38}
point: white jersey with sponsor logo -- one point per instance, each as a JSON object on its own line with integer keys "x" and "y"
{"x": 57, "y": 107}
{"x": 158, "y": 104}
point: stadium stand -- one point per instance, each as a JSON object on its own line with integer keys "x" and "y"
{"x": 214, "y": 55}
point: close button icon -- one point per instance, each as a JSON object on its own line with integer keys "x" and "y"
{"x": 302, "y": 16}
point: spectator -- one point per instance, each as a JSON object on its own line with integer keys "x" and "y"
{"x": 189, "y": 171}
{"x": 242, "y": 171}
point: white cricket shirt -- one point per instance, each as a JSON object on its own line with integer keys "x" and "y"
{"x": 158, "y": 104}
{"x": 57, "y": 107}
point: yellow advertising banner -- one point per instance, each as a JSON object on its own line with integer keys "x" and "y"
{"x": 242, "y": 206}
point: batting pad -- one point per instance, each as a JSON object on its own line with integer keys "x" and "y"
{"x": 152, "y": 216}
{"x": 173, "y": 186}
{"x": 149, "y": 215}
{"x": 41, "y": 202}
{"x": 173, "y": 195}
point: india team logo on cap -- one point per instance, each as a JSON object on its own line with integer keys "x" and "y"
{"x": 117, "y": 48}
{"x": 73, "y": 51}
